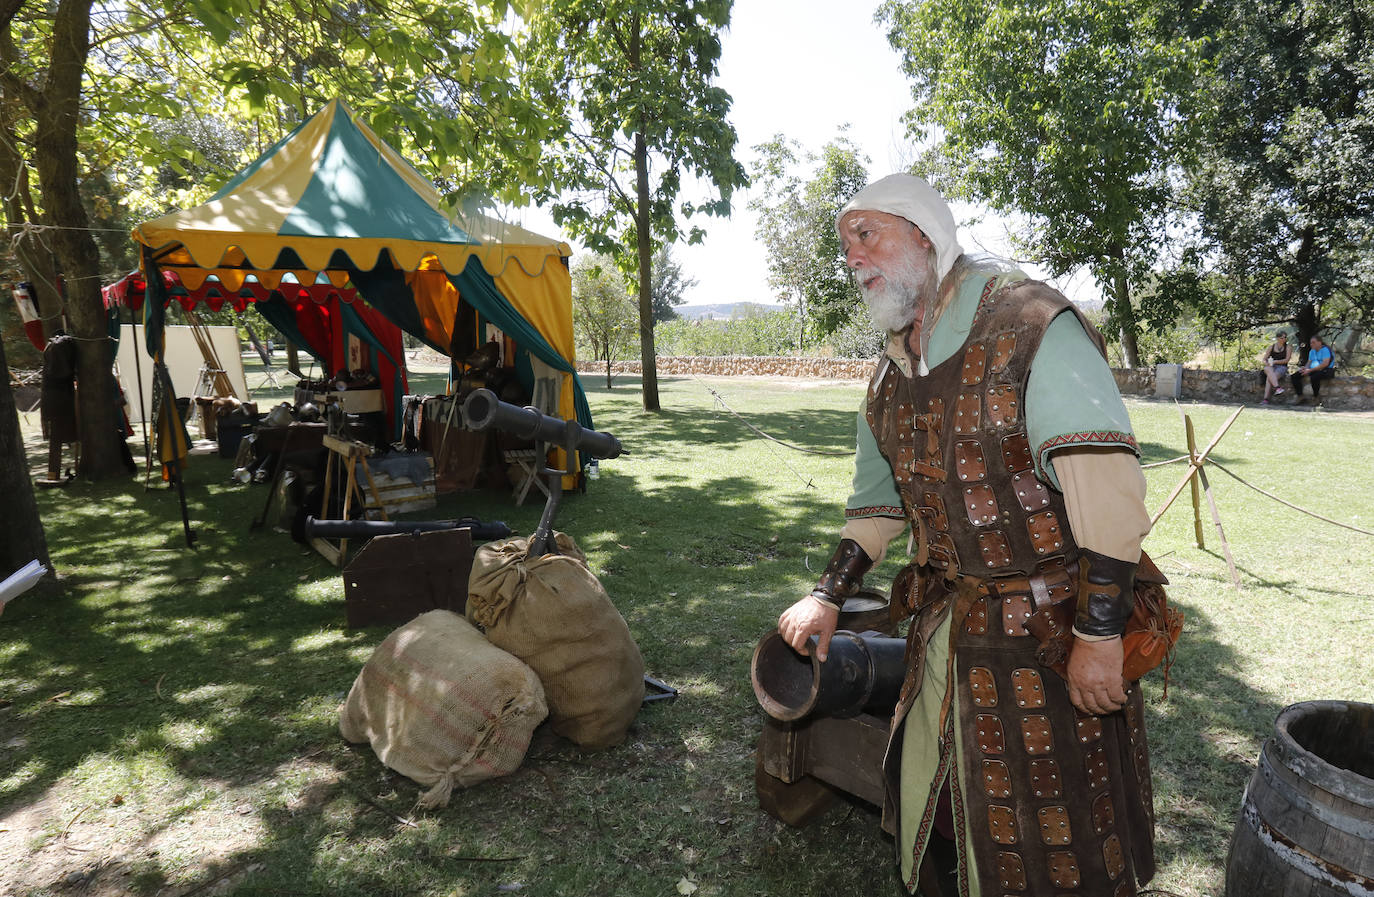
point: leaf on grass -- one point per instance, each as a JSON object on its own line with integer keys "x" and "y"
{"x": 685, "y": 886}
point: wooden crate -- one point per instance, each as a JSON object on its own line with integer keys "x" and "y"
{"x": 398, "y": 493}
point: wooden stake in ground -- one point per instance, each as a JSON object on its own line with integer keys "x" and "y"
{"x": 1193, "y": 477}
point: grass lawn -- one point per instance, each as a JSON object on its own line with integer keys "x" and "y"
{"x": 168, "y": 717}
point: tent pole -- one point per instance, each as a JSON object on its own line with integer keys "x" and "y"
{"x": 142, "y": 409}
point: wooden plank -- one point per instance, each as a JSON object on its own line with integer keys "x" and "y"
{"x": 848, "y": 753}
{"x": 395, "y": 578}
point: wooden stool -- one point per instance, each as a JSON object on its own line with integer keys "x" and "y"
{"x": 531, "y": 464}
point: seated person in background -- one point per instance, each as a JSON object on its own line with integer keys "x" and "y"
{"x": 1321, "y": 365}
{"x": 1275, "y": 360}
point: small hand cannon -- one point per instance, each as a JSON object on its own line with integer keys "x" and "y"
{"x": 863, "y": 673}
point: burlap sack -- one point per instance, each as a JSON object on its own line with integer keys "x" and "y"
{"x": 442, "y": 706}
{"x": 553, "y": 614}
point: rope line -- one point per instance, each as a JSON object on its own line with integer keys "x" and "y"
{"x": 1162, "y": 463}
{"x": 1287, "y": 503}
{"x": 805, "y": 480}
{"x": 795, "y": 448}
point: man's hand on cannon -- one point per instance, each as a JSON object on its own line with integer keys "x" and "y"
{"x": 1095, "y": 683}
{"x": 818, "y": 613}
{"x": 808, "y": 617}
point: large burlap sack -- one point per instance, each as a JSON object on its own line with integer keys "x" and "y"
{"x": 553, "y": 614}
{"x": 443, "y": 706}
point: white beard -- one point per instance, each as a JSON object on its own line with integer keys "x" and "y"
{"x": 905, "y": 286}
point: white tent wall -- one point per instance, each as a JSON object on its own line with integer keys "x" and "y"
{"x": 184, "y": 363}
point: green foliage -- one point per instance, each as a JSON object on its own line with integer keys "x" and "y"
{"x": 752, "y": 334}
{"x": 796, "y": 223}
{"x": 603, "y": 312}
{"x": 623, "y": 71}
{"x": 1061, "y": 111}
{"x": 1283, "y": 185}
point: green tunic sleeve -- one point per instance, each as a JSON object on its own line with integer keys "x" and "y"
{"x": 1072, "y": 398}
{"x": 875, "y": 492}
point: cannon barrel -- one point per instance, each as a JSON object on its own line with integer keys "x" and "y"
{"x": 482, "y": 531}
{"x": 863, "y": 673}
{"x": 483, "y": 409}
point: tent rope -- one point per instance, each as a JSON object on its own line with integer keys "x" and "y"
{"x": 1287, "y": 503}
{"x": 795, "y": 448}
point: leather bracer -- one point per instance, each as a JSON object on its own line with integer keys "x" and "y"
{"x": 1106, "y": 594}
{"x": 844, "y": 574}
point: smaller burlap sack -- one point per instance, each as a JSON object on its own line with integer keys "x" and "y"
{"x": 553, "y": 614}
{"x": 442, "y": 706}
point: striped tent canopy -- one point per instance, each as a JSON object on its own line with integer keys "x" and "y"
{"x": 332, "y": 201}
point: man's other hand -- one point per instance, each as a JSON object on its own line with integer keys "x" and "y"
{"x": 1095, "y": 683}
{"x": 804, "y": 619}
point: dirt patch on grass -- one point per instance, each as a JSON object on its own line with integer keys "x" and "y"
{"x": 173, "y": 845}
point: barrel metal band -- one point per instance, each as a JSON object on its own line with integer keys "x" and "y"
{"x": 1314, "y": 866}
{"x": 1274, "y": 774}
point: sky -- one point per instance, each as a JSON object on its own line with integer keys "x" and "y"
{"x": 805, "y": 68}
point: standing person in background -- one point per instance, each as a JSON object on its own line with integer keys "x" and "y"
{"x": 994, "y": 429}
{"x": 1321, "y": 365}
{"x": 1276, "y": 359}
{"x": 58, "y": 395}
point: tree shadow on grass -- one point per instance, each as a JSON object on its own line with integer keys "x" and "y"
{"x": 229, "y": 687}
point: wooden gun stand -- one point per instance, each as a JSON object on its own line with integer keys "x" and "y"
{"x": 347, "y": 455}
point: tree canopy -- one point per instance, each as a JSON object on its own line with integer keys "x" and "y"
{"x": 1283, "y": 184}
{"x": 796, "y": 223}
{"x": 646, "y": 143}
{"x": 1064, "y": 112}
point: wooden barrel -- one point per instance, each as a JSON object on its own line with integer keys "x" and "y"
{"x": 1306, "y": 826}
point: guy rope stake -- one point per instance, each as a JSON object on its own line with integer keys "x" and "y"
{"x": 1196, "y": 475}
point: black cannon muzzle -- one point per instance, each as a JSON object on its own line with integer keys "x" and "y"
{"x": 863, "y": 673}
{"x": 483, "y": 409}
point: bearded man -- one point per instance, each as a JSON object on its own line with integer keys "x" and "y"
{"x": 993, "y": 427}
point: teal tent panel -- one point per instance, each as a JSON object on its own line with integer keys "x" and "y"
{"x": 478, "y": 289}
{"x": 354, "y": 192}
{"x": 282, "y": 316}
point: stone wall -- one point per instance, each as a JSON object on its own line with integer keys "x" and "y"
{"x": 1224, "y": 387}
{"x": 740, "y": 365}
{"x": 1236, "y": 387}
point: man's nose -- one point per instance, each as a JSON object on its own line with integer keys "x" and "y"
{"x": 853, "y": 256}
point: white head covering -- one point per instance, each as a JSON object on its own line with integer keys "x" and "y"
{"x": 910, "y": 197}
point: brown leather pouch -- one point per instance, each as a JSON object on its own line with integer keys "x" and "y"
{"x": 1149, "y": 639}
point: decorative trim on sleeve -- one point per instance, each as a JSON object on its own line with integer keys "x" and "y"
{"x": 1086, "y": 437}
{"x": 874, "y": 511}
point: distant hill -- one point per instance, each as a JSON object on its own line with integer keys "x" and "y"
{"x": 723, "y": 310}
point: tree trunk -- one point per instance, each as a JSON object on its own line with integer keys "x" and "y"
{"x": 56, "y": 112}
{"x": 293, "y": 359}
{"x": 21, "y": 531}
{"x": 35, "y": 261}
{"x": 608, "y": 370}
{"x": 1122, "y": 311}
{"x": 644, "y": 235}
{"x": 1306, "y": 324}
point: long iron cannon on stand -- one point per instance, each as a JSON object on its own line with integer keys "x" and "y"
{"x": 483, "y": 409}
{"x": 482, "y": 531}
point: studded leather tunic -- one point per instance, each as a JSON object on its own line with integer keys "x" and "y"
{"x": 1056, "y": 803}
{"x": 956, "y": 440}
